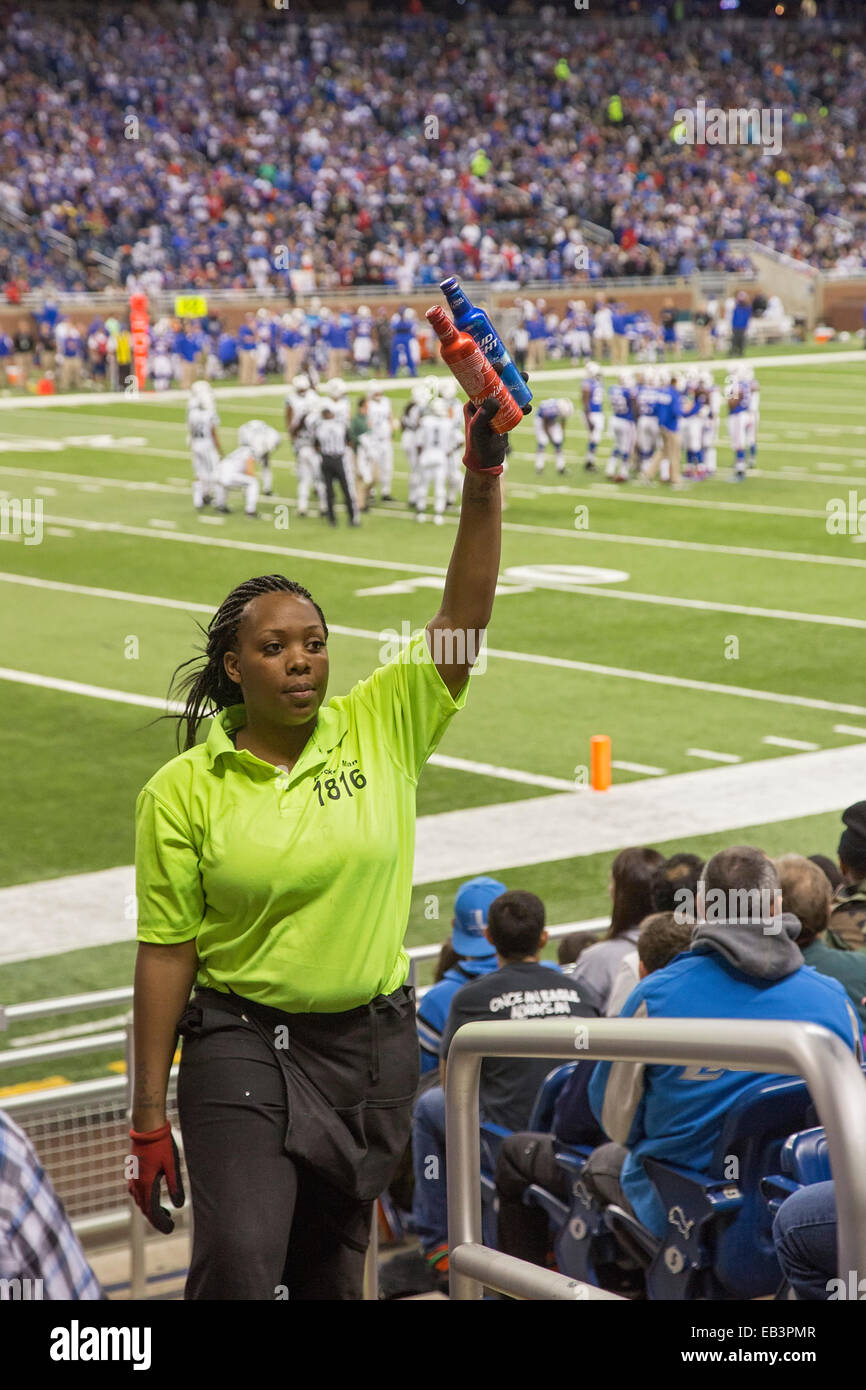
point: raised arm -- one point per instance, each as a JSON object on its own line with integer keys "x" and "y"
{"x": 455, "y": 634}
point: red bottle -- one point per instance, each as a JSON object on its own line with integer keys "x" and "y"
{"x": 472, "y": 369}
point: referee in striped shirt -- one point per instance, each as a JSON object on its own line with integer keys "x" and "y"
{"x": 330, "y": 434}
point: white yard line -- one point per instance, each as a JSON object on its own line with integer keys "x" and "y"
{"x": 82, "y": 910}
{"x": 659, "y": 600}
{"x": 505, "y": 774}
{"x": 712, "y": 757}
{"x": 646, "y": 768}
{"x": 850, "y": 729}
{"x": 524, "y": 658}
{"x": 802, "y": 745}
{"x": 598, "y": 537}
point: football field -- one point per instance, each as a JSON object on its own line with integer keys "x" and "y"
{"x": 717, "y": 634}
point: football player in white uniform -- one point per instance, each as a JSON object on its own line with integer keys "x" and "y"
{"x": 753, "y": 411}
{"x": 593, "y": 411}
{"x": 409, "y": 421}
{"x": 238, "y": 470}
{"x": 263, "y": 440}
{"x": 201, "y": 437}
{"x": 454, "y": 471}
{"x": 711, "y": 422}
{"x": 435, "y": 441}
{"x": 303, "y": 404}
{"x": 736, "y": 395}
{"x": 695, "y": 411}
{"x": 549, "y": 419}
{"x": 381, "y": 431}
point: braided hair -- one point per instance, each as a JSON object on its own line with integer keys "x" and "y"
{"x": 208, "y": 688}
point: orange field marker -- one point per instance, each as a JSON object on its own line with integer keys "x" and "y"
{"x": 599, "y": 762}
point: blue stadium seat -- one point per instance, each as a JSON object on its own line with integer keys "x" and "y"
{"x": 804, "y": 1160}
{"x": 718, "y": 1243}
{"x": 584, "y": 1246}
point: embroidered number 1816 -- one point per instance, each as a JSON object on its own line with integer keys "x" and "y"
{"x": 333, "y": 791}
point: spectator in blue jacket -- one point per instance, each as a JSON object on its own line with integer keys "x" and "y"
{"x": 475, "y": 956}
{"x": 744, "y": 963}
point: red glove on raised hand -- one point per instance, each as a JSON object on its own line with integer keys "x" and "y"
{"x": 156, "y": 1154}
{"x": 485, "y": 450}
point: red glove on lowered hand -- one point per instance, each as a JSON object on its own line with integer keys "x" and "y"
{"x": 485, "y": 450}
{"x": 157, "y": 1157}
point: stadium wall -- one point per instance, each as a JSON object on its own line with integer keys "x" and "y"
{"x": 231, "y": 309}
{"x": 837, "y": 302}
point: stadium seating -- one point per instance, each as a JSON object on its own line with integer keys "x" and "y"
{"x": 718, "y": 1243}
{"x": 804, "y": 1160}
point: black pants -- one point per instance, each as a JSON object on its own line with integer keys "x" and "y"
{"x": 292, "y": 1125}
{"x": 603, "y": 1175}
{"x": 529, "y": 1158}
{"x": 526, "y": 1158}
{"x": 738, "y": 342}
{"x": 334, "y": 471}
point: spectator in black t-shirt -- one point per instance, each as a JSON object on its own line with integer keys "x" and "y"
{"x": 521, "y": 988}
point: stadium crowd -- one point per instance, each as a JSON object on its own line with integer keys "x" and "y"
{"x": 216, "y": 149}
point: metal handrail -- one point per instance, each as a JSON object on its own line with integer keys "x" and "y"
{"x": 65, "y": 1004}
{"x": 68, "y": 1047}
{"x": 835, "y": 1081}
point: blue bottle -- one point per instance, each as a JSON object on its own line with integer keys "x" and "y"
{"x": 475, "y": 322}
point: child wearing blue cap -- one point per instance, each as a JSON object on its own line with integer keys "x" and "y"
{"x": 475, "y": 955}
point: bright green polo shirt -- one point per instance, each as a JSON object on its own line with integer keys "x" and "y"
{"x": 297, "y": 887}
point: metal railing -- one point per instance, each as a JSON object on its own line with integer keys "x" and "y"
{"x": 835, "y": 1081}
